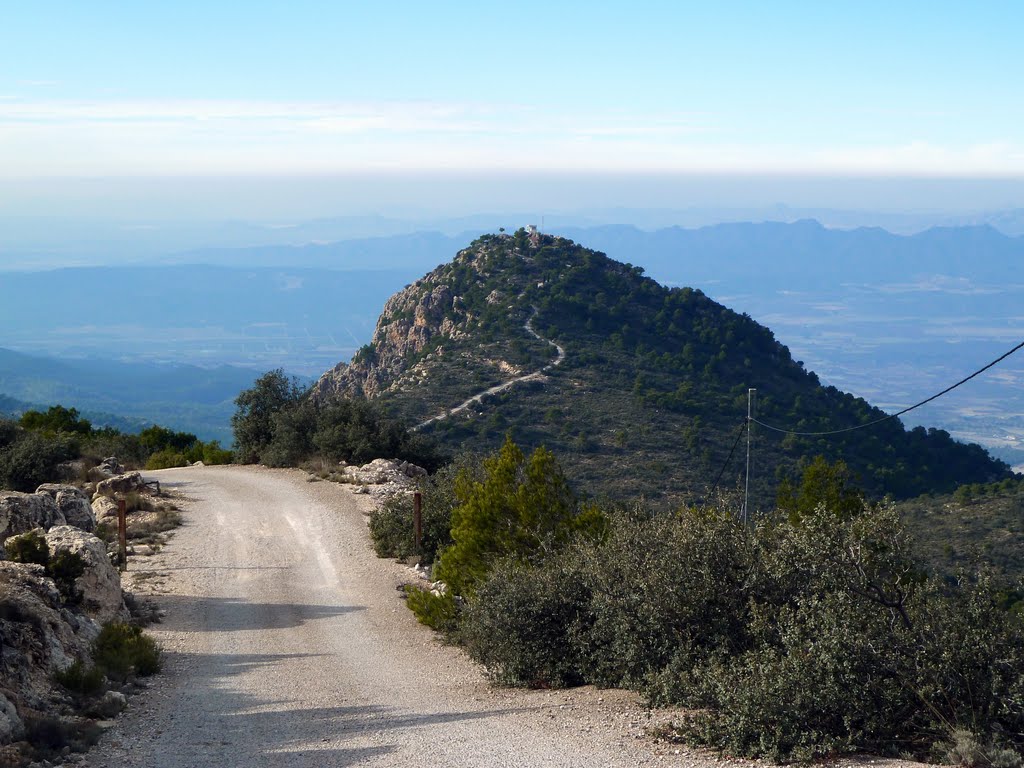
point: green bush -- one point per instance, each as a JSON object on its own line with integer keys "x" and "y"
{"x": 166, "y": 459}
{"x": 32, "y": 459}
{"x": 80, "y": 679}
{"x": 391, "y": 524}
{"x": 65, "y": 568}
{"x": 122, "y": 650}
{"x": 213, "y": 454}
{"x": 523, "y": 623}
{"x": 522, "y": 508}
{"x": 802, "y": 636}
{"x": 439, "y": 612}
{"x": 29, "y": 547}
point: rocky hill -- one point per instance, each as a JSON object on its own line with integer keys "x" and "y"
{"x": 652, "y": 393}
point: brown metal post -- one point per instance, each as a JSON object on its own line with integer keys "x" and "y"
{"x": 122, "y": 534}
{"x": 417, "y": 519}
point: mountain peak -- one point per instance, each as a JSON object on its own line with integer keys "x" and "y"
{"x": 653, "y": 385}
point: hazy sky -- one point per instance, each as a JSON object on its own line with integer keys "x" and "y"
{"x": 229, "y": 89}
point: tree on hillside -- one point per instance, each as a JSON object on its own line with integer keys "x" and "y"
{"x": 522, "y": 509}
{"x": 823, "y": 486}
{"x": 253, "y": 422}
{"x": 56, "y": 419}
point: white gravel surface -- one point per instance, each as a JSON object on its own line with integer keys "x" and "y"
{"x": 287, "y": 644}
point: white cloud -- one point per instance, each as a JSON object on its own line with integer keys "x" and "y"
{"x": 51, "y": 138}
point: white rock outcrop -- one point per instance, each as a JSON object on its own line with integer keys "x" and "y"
{"x": 40, "y": 637}
{"x": 104, "y": 508}
{"x": 73, "y": 504}
{"x": 21, "y": 512}
{"x": 126, "y": 483}
{"x": 383, "y": 477}
{"x": 102, "y": 599}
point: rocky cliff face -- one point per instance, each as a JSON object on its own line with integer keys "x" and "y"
{"x": 427, "y": 312}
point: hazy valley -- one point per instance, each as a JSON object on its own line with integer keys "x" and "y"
{"x": 891, "y": 318}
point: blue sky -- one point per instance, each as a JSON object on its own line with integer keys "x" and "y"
{"x": 105, "y": 89}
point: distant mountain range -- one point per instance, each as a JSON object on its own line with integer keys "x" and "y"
{"x": 182, "y": 397}
{"x": 888, "y": 317}
{"x": 652, "y": 393}
{"x": 38, "y": 242}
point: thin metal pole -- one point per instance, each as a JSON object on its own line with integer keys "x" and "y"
{"x": 746, "y": 488}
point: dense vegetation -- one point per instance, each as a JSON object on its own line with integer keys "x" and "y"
{"x": 33, "y": 448}
{"x": 975, "y": 524}
{"x": 814, "y": 631}
{"x": 654, "y": 385}
{"x": 277, "y": 424}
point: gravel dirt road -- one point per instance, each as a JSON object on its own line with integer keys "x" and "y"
{"x": 287, "y": 644}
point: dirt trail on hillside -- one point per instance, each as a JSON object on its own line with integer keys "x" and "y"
{"x": 287, "y": 644}
{"x": 535, "y": 376}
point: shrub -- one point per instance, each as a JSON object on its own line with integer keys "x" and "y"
{"x": 391, "y": 525}
{"x": 522, "y": 624}
{"x": 29, "y": 547}
{"x": 966, "y": 749}
{"x": 437, "y": 611}
{"x": 138, "y": 502}
{"x": 522, "y": 508}
{"x": 253, "y": 421}
{"x": 802, "y": 636}
{"x": 213, "y": 454}
{"x": 121, "y": 650}
{"x": 80, "y": 679}
{"x": 65, "y": 568}
{"x": 662, "y": 587}
{"x": 32, "y": 459}
{"x": 166, "y": 459}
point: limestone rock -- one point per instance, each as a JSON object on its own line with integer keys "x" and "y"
{"x": 383, "y": 477}
{"x": 110, "y": 467}
{"x": 110, "y": 706}
{"x": 104, "y": 508}
{"x": 21, "y": 512}
{"x": 377, "y": 472}
{"x": 409, "y": 323}
{"x": 40, "y": 636}
{"x": 100, "y": 585}
{"x": 126, "y": 483}
{"x": 72, "y": 503}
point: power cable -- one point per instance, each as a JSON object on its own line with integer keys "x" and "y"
{"x": 898, "y": 413}
{"x": 739, "y": 434}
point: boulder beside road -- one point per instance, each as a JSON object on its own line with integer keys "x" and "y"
{"x": 126, "y": 483}
{"x": 23, "y": 512}
{"x": 72, "y": 503}
{"x": 100, "y": 584}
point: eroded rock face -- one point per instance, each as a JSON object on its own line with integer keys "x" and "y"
{"x": 126, "y": 483}
{"x": 21, "y": 512}
{"x": 40, "y": 636}
{"x": 104, "y": 508}
{"x": 72, "y": 503}
{"x": 102, "y": 600}
{"x": 411, "y": 320}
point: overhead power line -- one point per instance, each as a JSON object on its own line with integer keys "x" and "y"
{"x": 739, "y": 434}
{"x": 898, "y": 413}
